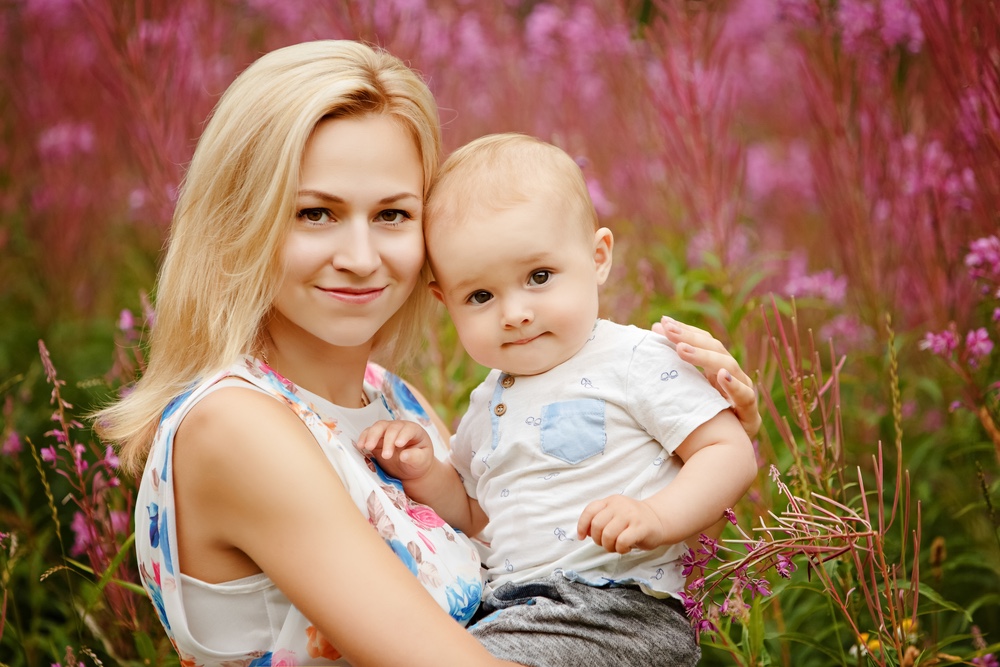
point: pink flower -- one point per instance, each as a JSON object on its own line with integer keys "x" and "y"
{"x": 49, "y": 454}
{"x": 823, "y": 285}
{"x": 856, "y": 18}
{"x": 424, "y": 516}
{"x": 602, "y": 204}
{"x": 12, "y": 446}
{"x": 901, "y": 24}
{"x": 83, "y": 534}
{"x": 758, "y": 587}
{"x": 983, "y": 258}
{"x": 111, "y": 459}
{"x": 941, "y": 344}
{"x": 65, "y": 140}
{"x": 283, "y": 658}
{"x": 120, "y": 521}
{"x": 730, "y": 515}
{"x": 126, "y": 322}
{"x": 784, "y": 566}
{"x": 978, "y": 344}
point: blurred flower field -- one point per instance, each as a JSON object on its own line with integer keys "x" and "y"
{"x": 816, "y": 182}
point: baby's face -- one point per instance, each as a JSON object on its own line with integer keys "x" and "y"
{"x": 521, "y": 285}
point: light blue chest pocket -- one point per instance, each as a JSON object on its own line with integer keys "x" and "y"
{"x": 573, "y": 431}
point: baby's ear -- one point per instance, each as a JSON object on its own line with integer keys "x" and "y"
{"x": 436, "y": 290}
{"x": 604, "y": 241}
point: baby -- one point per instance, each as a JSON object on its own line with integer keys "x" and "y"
{"x": 591, "y": 451}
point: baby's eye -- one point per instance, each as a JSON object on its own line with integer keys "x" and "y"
{"x": 480, "y": 297}
{"x": 318, "y": 215}
{"x": 392, "y": 216}
{"x": 539, "y": 277}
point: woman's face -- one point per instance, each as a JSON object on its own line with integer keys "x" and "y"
{"x": 356, "y": 246}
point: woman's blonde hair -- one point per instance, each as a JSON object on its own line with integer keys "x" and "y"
{"x": 223, "y": 264}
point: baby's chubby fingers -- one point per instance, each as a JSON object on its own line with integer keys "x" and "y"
{"x": 370, "y": 439}
{"x": 604, "y": 525}
{"x": 584, "y": 526}
{"x": 399, "y": 434}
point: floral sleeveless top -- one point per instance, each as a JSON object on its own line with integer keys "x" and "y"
{"x": 271, "y": 630}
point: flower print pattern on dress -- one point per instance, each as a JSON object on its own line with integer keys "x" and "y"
{"x": 463, "y": 598}
{"x": 285, "y": 658}
{"x": 403, "y": 553}
{"x": 424, "y": 516}
{"x": 445, "y": 563}
{"x": 152, "y": 585}
{"x": 319, "y": 647}
{"x": 387, "y": 479}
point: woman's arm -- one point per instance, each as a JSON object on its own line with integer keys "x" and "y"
{"x": 262, "y": 487}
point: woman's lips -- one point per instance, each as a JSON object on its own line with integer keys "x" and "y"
{"x": 355, "y": 295}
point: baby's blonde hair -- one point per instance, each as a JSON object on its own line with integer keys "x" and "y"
{"x": 223, "y": 265}
{"x": 500, "y": 171}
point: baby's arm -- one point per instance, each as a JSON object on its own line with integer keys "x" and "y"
{"x": 719, "y": 466}
{"x": 405, "y": 451}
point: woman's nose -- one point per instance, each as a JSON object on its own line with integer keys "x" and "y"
{"x": 356, "y": 250}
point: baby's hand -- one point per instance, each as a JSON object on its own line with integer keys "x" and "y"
{"x": 403, "y": 448}
{"x": 620, "y": 524}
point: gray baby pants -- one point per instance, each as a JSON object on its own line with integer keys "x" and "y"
{"x": 555, "y": 622}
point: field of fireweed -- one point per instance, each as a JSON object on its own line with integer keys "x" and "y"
{"x": 816, "y": 182}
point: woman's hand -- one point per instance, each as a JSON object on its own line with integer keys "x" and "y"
{"x": 699, "y": 348}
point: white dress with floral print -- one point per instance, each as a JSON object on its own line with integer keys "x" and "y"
{"x": 267, "y": 629}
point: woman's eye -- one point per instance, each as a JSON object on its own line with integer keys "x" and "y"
{"x": 480, "y": 297}
{"x": 314, "y": 215}
{"x": 539, "y": 277}
{"x": 392, "y": 216}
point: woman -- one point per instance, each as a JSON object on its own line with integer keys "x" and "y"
{"x": 296, "y": 254}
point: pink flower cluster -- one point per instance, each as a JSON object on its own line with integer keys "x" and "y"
{"x": 983, "y": 261}
{"x": 888, "y": 23}
{"x": 978, "y": 344}
{"x": 760, "y": 558}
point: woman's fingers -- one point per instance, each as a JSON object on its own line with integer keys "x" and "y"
{"x": 679, "y": 332}
{"x": 700, "y": 348}
{"x": 743, "y": 398}
{"x": 712, "y": 362}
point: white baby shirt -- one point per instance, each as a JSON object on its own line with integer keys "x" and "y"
{"x": 535, "y": 450}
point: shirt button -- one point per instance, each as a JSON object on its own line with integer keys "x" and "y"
{"x": 507, "y": 382}
{"x": 500, "y": 409}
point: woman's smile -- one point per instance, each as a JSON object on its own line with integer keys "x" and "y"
{"x": 355, "y": 295}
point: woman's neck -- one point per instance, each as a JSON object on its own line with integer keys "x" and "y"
{"x": 335, "y": 373}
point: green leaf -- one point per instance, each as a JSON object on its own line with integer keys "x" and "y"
{"x": 757, "y": 629}
{"x": 123, "y": 552}
{"x": 808, "y": 640}
{"x": 144, "y": 647}
{"x": 929, "y": 593}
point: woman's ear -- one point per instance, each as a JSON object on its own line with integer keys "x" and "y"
{"x": 604, "y": 241}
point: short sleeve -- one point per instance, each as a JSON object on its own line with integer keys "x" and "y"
{"x": 669, "y": 397}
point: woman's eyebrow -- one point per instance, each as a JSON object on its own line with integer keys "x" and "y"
{"x": 326, "y": 196}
